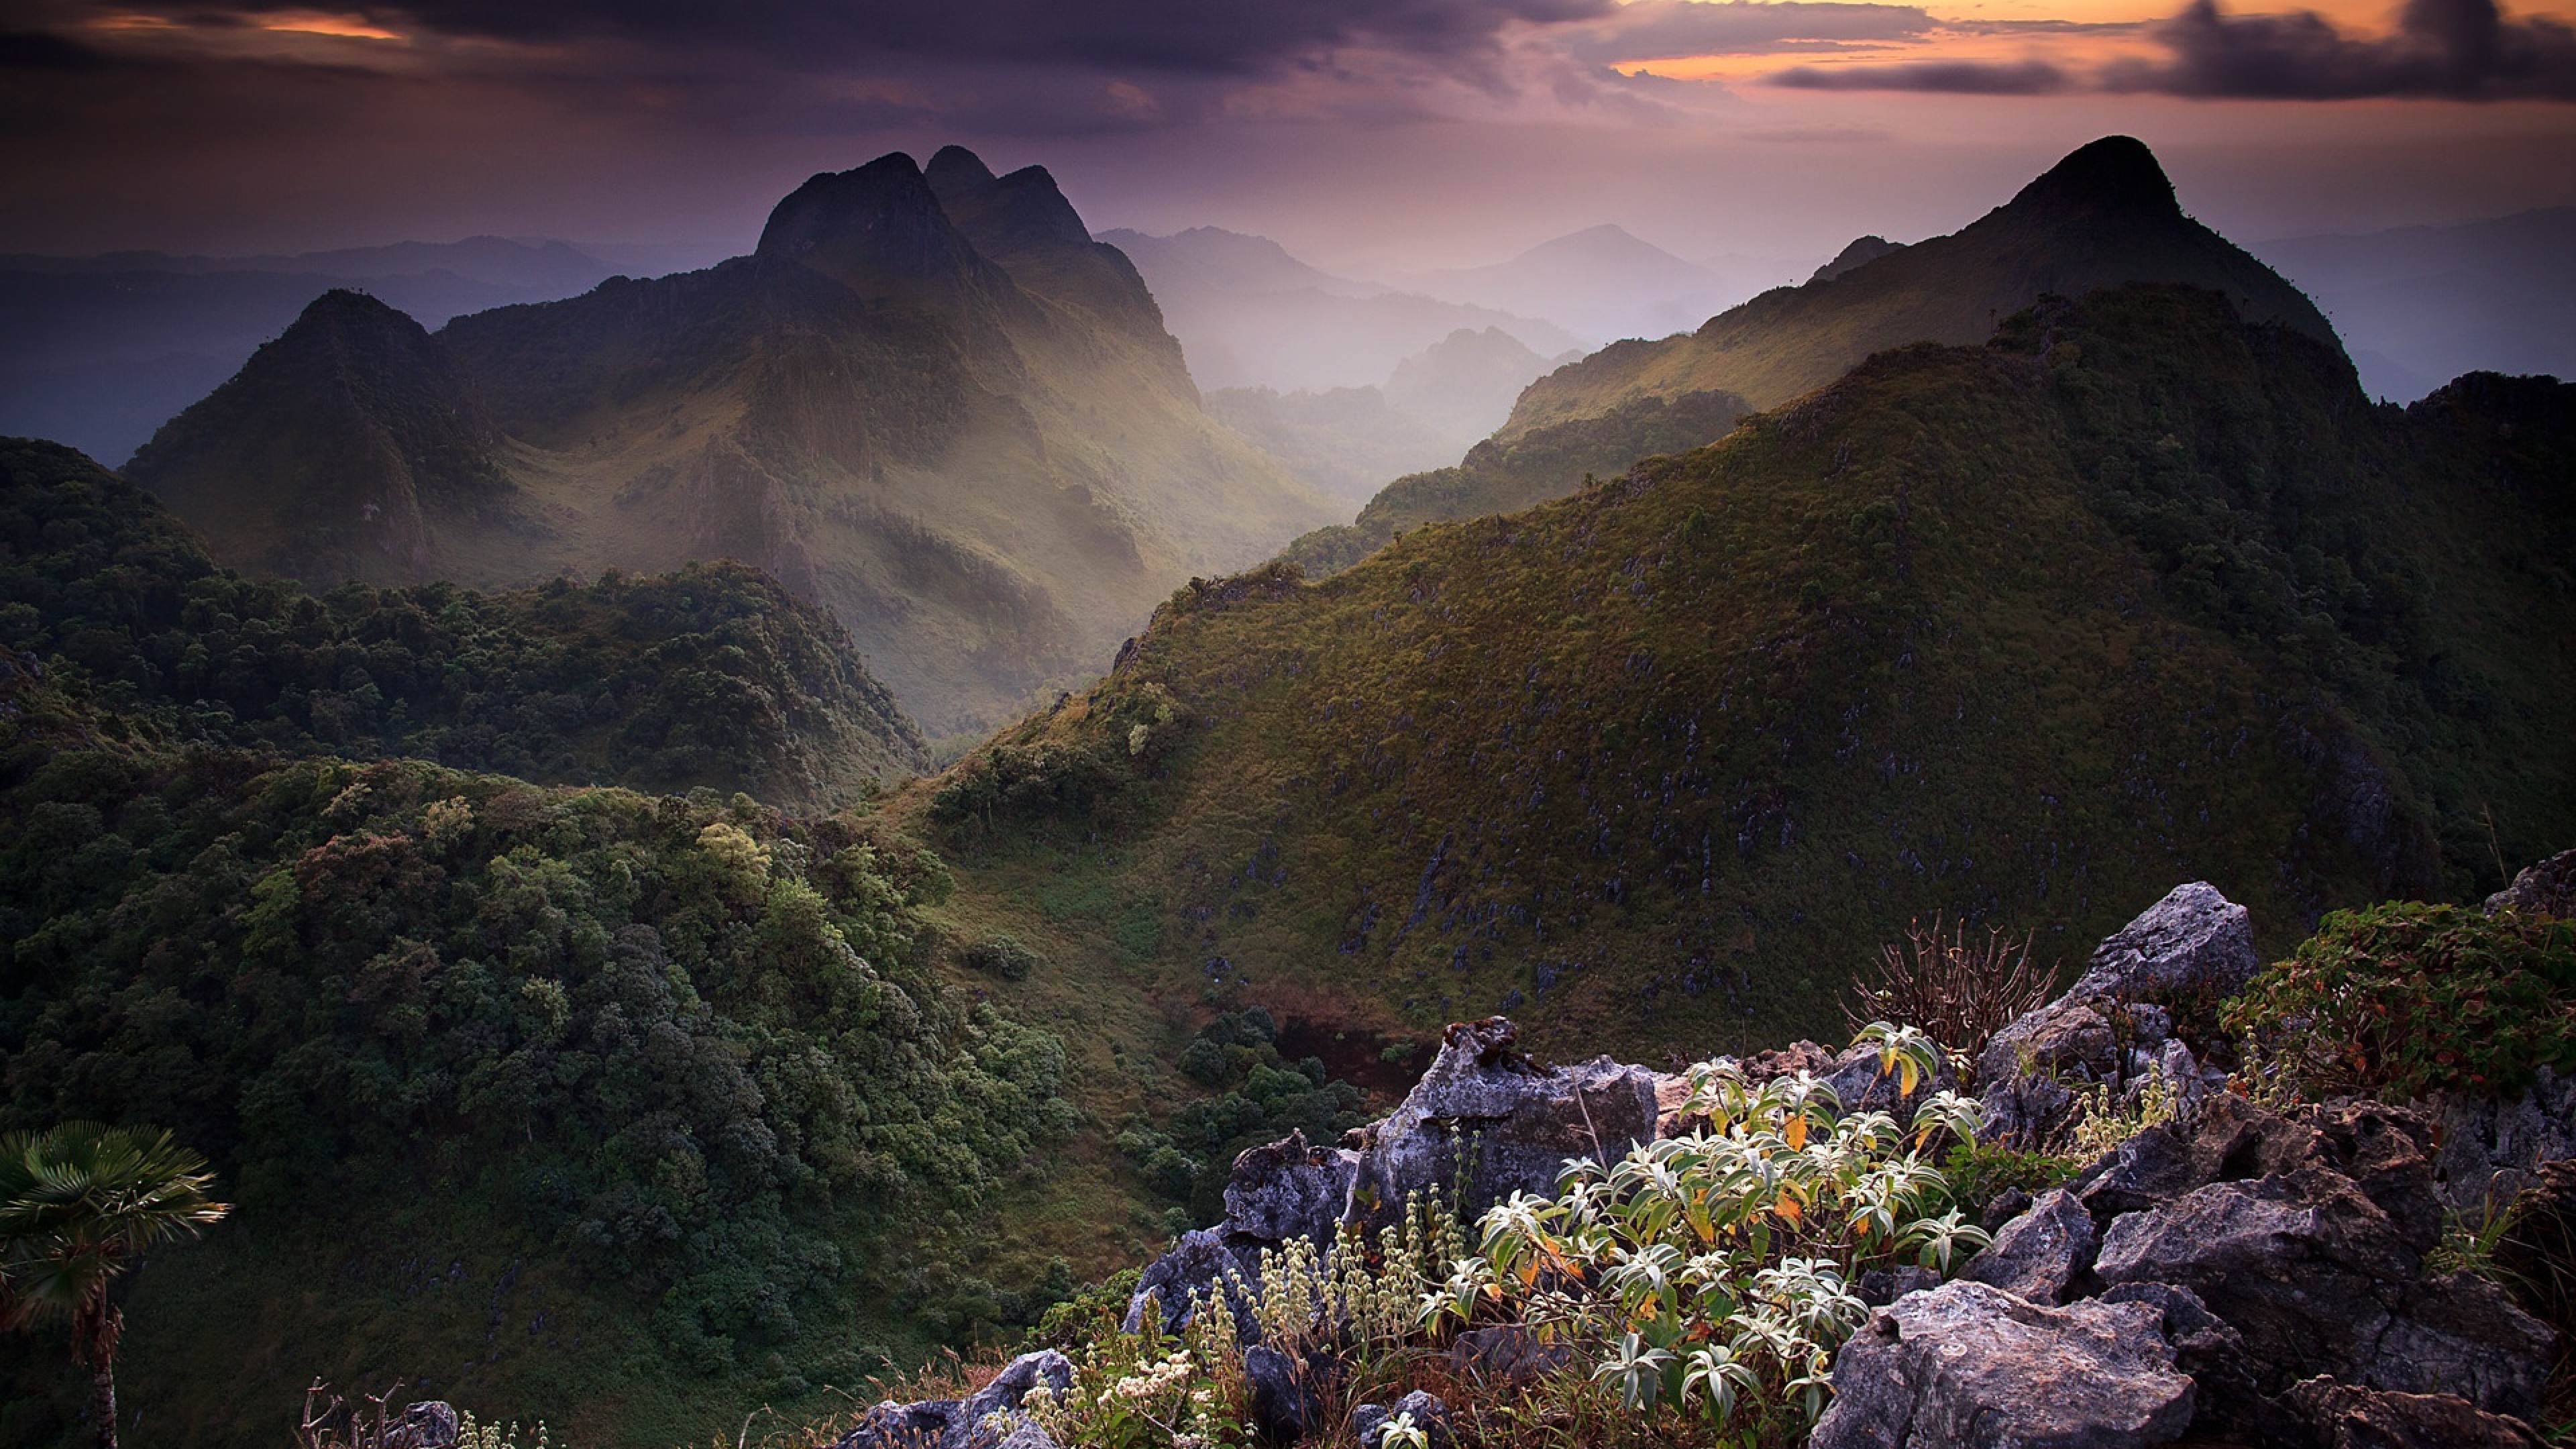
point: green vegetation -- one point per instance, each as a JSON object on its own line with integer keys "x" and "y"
{"x": 1692, "y": 1293}
{"x": 2402, "y": 999}
{"x": 1506, "y": 475}
{"x": 80, "y": 1204}
{"x": 1260, "y": 1098}
{"x": 1655, "y": 764}
{"x": 713, "y": 676}
{"x": 687, "y": 1060}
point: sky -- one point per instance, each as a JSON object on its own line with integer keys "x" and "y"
{"x": 1369, "y": 135}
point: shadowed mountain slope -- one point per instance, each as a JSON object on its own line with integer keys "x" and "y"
{"x": 712, "y": 676}
{"x": 2026, "y": 631}
{"x": 967, "y": 435}
{"x": 2103, "y": 217}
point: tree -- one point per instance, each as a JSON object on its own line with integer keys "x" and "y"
{"x": 80, "y": 1204}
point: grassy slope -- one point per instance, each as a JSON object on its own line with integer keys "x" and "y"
{"x": 1660, "y": 764}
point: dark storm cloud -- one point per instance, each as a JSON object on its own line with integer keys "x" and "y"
{"x": 1944, "y": 77}
{"x": 36, "y": 50}
{"x": 1664, "y": 29}
{"x": 1173, "y": 35}
{"x": 2458, "y": 49}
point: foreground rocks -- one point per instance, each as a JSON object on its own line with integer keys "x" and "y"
{"x": 2237, "y": 1275}
{"x": 989, "y": 1418}
{"x": 1967, "y": 1364}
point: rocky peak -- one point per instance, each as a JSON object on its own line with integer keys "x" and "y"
{"x": 2116, "y": 176}
{"x": 954, "y": 169}
{"x": 877, "y": 228}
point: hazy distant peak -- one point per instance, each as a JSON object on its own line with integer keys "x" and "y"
{"x": 1861, "y": 252}
{"x": 2115, "y": 174}
{"x": 955, "y": 168}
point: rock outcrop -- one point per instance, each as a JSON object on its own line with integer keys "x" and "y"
{"x": 1971, "y": 1365}
{"x": 2545, "y": 889}
{"x": 989, "y": 1418}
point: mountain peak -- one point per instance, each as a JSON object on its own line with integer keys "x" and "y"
{"x": 875, "y": 228}
{"x": 955, "y": 168}
{"x": 2114, "y": 174}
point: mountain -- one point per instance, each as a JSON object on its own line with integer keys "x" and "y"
{"x": 99, "y": 351}
{"x": 1862, "y": 251}
{"x": 2133, "y": 591}
{"x": 2103, "y": 217}
{"x": 927, "y": 401}
{"x": 1465, "y": 383}
{"x": 711, "y": 677}
{"x": 2421, "y": 303}
{"x": 1602, "y": 282}
{"x": 1250, "y": 315}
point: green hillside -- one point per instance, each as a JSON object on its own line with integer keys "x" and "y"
{"x": 713, "y": 676}
{"x": 2134, "y": 594}
{"x": 930, "y": 404}
{"x": 537, "y": 1097}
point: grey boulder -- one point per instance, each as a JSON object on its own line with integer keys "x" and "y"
{"x": 989, "y": 1418}
{"x": 2042, "y": 1254}
{"x": 1969, "y": 1366}
{"x": 1484, "y": 1123}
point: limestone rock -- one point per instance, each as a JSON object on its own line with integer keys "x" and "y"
{"x": 1880, "y": 1287}
{"x": 970, "y": 1422}
{"x": 2345, "y": 1417}
{"x": 2042, "y": 1254}
{"x": 1484, "y": 1117}
{"x": 1201, "y": 1267}
{"x": 2492, "y": 1149}
{"x": 2318, "y": 1279}
{"x": 430, "y": 1424}
{"x": 1369, "y": 1422}
{"x": 1971, "y": 1365}
{"x": 1505, "y": 1354}
{"x": 2193, "y": 940}
{"x": 1288, "y": 1189}
{"x": 2545, "y": 889}
{"x": 1285, "y": 1405}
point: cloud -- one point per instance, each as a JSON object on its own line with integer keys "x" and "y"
{"x": 1669, "y": 29}
{"x": 2459, "y": 49}
{"x": 1187, "y": 36}
{"x": 1945, "y": 77}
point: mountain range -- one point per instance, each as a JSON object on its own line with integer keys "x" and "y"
{"x": 2418, "y": 304}
{"x": 928, "y": 400}
{"x": 1603, "y": 283}
{"x": 2135, "y": 590}
{"x": 99, "y": 351}
{"x": 2103, "y": 216}
{"x": 1250, "y": 315}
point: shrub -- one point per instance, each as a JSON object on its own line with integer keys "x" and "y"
{"x": 2403, "y": 998}
{"x": 1956, "y": 991}
{"x": 1003, "y": 955}
{"x": 1711, "y": 1277}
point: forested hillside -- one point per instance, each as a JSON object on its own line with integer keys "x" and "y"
{"x": 2137, "y": 592}
{"x": 712, "y": 676}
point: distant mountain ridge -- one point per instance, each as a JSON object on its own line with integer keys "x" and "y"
{"x": 2104, "y": 216}
{"x": 2419, "y": 304}
{"x": 1602, "y": 282}
{"x": 99, "y": 351}
{"x": 926, "y": 400}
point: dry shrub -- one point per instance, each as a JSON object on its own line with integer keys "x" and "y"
{"x": 1958, "y": 991}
